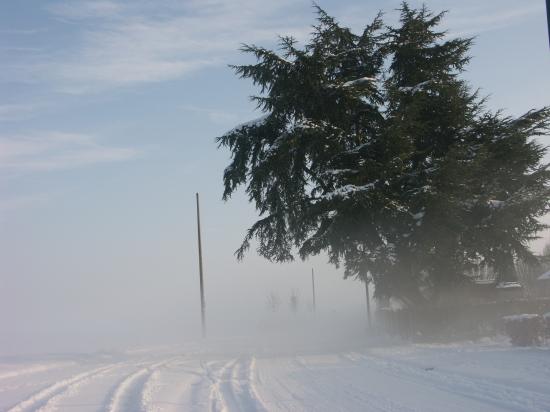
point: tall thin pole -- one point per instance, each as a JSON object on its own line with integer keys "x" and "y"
{"x": 313, "y": 289}
{"x": 548, "y": 17}
{"x": 203, "y": 304}
{"x": 368, "y": 302}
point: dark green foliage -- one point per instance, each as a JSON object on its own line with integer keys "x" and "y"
{"x": 373, "y": 150}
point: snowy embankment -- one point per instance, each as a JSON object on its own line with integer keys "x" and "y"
{"x": 474, "y": 377}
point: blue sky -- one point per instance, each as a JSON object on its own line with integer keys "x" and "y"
{"x": 108, "y": 115}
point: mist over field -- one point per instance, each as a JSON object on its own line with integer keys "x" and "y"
{"x": 332, "y": 147}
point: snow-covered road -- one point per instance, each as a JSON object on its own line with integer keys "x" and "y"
{"x": 404, "y": 378}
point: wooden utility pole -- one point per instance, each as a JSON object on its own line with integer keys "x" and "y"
{"x": 203, "y": 304}
{"x": 368, "y": 302}
{"x": 313, "y": 289}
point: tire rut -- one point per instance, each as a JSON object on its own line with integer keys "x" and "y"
{"x": 48, "y": 395}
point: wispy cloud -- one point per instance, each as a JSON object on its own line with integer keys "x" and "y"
{"x": 23, "y": 32}
{"x": 483, "y": 18}
{"x": 142, "y": 42}
{"x": 464, "y": 18}
{"x": 222, "y": 117}
{"x": 124, "y": 43}
{"x": 85, "y": 9}
{"x": 55, "y": 151}
{"x": 17, "y": 202}
{"x": 11, "y": 112}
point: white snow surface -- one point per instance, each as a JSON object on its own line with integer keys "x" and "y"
{"x": 509, "y": 285}
{"x": 251, "y": 123}
{"x": 490, "y": 376}
{"x": 347, "y": 190}
{"x": 521, "y": 317}
{"x": 358, "y": 82}
{"x": 416, "y": 88}
{"x": 544, "y": 276}
{"x": 496, "y": 204}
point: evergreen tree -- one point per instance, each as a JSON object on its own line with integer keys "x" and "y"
{"x": 374, "y": 150}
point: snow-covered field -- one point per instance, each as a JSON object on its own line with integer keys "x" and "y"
{"x": 473, "y": 377}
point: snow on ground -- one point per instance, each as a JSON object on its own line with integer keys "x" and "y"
{"x": 465, "y": 377}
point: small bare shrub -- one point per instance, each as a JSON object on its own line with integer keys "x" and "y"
{"x": 273, "y": 302}
{"x": 294, "y": 301}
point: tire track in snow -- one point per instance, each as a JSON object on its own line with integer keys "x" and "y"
{"x": 216, "y": 400}
{"x": 53, "y": 403}
{"x": 169, "y": 389}
{"x": 277, "y": 392}
{"x": 33, "y": 370}
{"x": 150, "y": 387}
{"x": 203, "y": 391}
{"x": 133, "y": 393}
{"x": 41, "y": 398}
{"x": 236, "y": 389}
{"x": 253, "y": 378}
{"x": 481, "y": 389}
